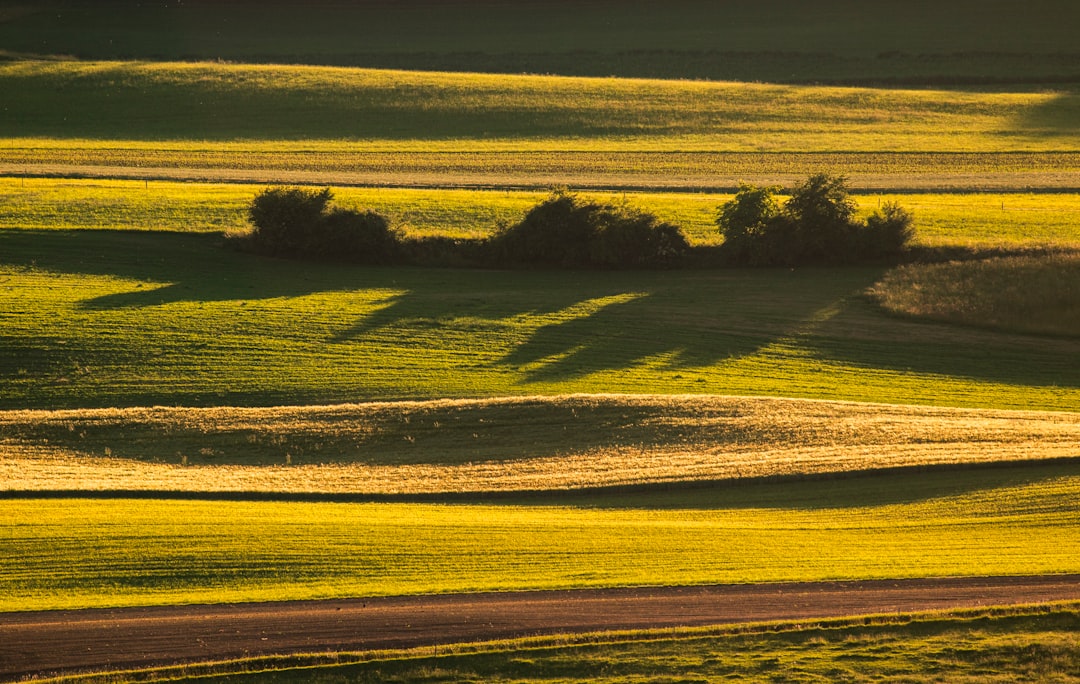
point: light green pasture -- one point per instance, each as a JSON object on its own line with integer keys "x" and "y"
{"x": 74, "y": 553}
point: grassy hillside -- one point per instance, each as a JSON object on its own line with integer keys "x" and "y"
{"x": 366, "y": 127}
{"x": 173, "y": 101}
{"x": 786, "y": 40}
{"x": 68, "y": 553}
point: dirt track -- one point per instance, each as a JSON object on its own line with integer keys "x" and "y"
{"x": 52, "y": 641}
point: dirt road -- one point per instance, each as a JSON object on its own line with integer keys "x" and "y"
{"x": 55, "y": 641}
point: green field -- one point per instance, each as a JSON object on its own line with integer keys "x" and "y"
{"x": 181, "y": 422}
{"x": 367, "y": 127}
{"x": 69, "y": 553}
{"x": 104, "y": 318}
{"x": 201, "y": 102}
{"x": 983, "y": 220}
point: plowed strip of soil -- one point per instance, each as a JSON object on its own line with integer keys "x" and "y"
{"x": 55, "y": 641}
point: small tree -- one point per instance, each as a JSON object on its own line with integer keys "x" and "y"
{"x": 822, "y": 213}
{"x": 285, "y": 218}
{"x": 744, "y": 220}
{"x": 888, "y": 231}
{"x": 296, "y": 222}
{"x": 815, "y": 225}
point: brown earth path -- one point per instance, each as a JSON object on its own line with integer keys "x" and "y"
{"x": 35, "y": 643}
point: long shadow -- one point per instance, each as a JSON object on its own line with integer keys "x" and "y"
{"x": 1058, "y": 117}
{"x": 176, "y": 267}
{"x": 558, "y": 325}
{"x": 583, "y": 323}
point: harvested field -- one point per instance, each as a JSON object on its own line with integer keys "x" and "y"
{"x": 504, "y": 445}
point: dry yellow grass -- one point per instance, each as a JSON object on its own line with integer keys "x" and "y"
{"x": 1037, "y": 293}
{"x": 512, "y": 444}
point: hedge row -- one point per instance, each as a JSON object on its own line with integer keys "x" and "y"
{"x": 816, "y": 225}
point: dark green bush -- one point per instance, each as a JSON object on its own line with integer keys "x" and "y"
{"x": 285, "y": 218}
{"x": 357, "y": 236}
{"x": 888, "y": 231}
{"x": 296, "y": 222}
{"x": 816, "y": 225}
{"x": 744, "y": 223}
{"x": 566, "y": 231}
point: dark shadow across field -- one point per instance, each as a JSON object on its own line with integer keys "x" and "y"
{"x": 1057, "y": 117}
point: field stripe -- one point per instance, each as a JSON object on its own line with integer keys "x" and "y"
{"x": 33, "y": 643}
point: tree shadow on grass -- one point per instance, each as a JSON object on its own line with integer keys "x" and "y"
{"x": 570, "y": 324}
{"x": 543, "y": 327}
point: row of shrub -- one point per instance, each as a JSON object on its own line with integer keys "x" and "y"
{"x": 815, "y": 225}
{"x": 562, "y": 231}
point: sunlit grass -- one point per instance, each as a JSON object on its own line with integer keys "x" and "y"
{"x": 200, "y": 101}
{"x": 1032, "y": 294}
{"x": 104, "y": 318}
{"x": 77, "y": 552}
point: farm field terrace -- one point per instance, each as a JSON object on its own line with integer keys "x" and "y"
{"x": 1031, "y": 644}
{"x": 67, "y": 553}
{"x": 985, "y": 220}
{"x": 125, "y": 318}
{"x": 466, "y": 449}
{"x": 300, "y": 124}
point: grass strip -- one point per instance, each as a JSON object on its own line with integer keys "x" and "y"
{"x": 1036, "y": 644}
{"x": 85, "y": 553}
{"x": 163, "y": 102}
{"x": 536, "y": 166}
{"x": 982, "y": 220}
